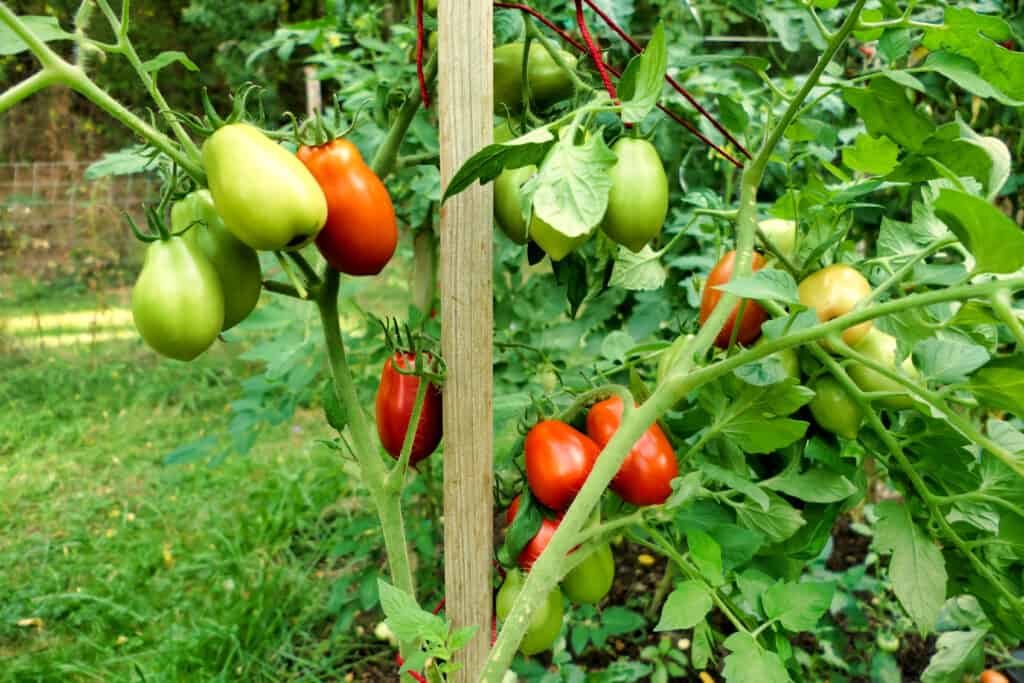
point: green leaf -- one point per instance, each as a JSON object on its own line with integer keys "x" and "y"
{"x": 877, "y": 156}
{"x": 641, "y": 271}
{"x": 702, "y": 645}
{"x": 738, "y": 483}
{"x": 46, "y": 29}
{"x": 752, "y": 584}
{"x": 755, "y": 64}
{"x": 895, "y": 44}
{"x": 166, "y": 59}
{"x": 917, "y": 569}
{"x": 798, "y": 606}
{"x": 757, "y": 434}
{"x": 1000, "y": 384}
{"x": 964, "y": 73}
{"x": 734, "y": 116}
{"x": 768, "y": 283}
{"x": 406, "y": 619}
{"x": 818, "y": 485}
{"x": 707, "y": 555}
{"x": 995, "y": 241}
{"x": 977, "y": 38}
{"x": 748, "y": 663}
{"x": 123, "y": 162}
{"x": 957, "y": 653}
{"x": 949, "y": 360}
{"x": 778, "y": 523}
{"x": 488, "y": 163}
{"x": 644, "y": 78}
{"x": 685, "y": 607}
{"x": 885, "y": 109}
{"x": 616, "y": 345}
{"x": 570, "y": 192}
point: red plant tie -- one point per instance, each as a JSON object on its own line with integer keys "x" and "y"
{"x": 419, "y": 55}
{"x": 671, "y": 81}
{"x": 595, "y": 54}
{"x": 580, "y": 47}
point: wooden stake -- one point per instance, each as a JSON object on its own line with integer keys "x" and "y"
{"x": 465, "y": 100}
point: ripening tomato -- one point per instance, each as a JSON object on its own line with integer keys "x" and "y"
{"x": 396, "y": 398}
{"x": 508, "y": 211}
{"x": 753, "y": 315}
{"x": 266, "y": 197}
{"x": 361, "y": 231}
{"x": 177, "y": 302}
{"x": 591, "y": 579}
{"x": 638, "y": 199}
{"x": 546, "y": 621}
{"x": 237, "y": 264}
{"x": 835, "y": 291}
{"x": 782, "y": 234}
{"x": 834, "y": 410}
{"x": 532, "y": 550}
{"x": 645, "y": 477}
{"x": 558, "y": 461}
{"x": 993, "y": 676}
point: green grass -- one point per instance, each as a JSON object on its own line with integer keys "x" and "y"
{"x": 114, "y": 566}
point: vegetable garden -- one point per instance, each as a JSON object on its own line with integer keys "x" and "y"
{"x": 747, "y": 316}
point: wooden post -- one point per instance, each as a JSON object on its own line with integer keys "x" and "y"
{"x": 465, "y": 92}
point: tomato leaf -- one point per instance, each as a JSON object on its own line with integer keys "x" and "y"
{"x": 965, "y": 73}
{"x": 644, "y": 79}
{"x": 749, "y": 662}
{"x": 44, "y": 28}
{"x": 994, "y": 240}
{"x": 406, "y": 618}
{"x": 165, "y": 59}
{"x": 877, "y": 156}
{"x": 957, "y": 653}
{"x": 885, "y": 109}
{"x": 767, "y": 283}
{"x": 977, "y": 38}
{"x": 570, "y": 192}
{"x": 917, "y": 569}
{"x": 779, "y": 522}
{"x": 641, "y": 271}
{"x": 685, "y": 607}
{"x": 1000, "y": 384}
{"x": 488, "y": 163}
{"x": 707, "y": 555}
{"x": 818, "y": 485}
{"x": 700, "y": 653}
{"x": 798, "y": 606}
{"x": 949, "y": 360}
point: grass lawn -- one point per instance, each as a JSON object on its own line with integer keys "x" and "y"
{"x": 114, "y": 566}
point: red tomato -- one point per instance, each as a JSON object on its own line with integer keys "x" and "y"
{"x": 558, "y": 460}
{"x": 532, "y": 550}
{"x": 361, "y": 231}
{"x": 396, "y": 397}
{"x": 646, "y": 475}
{"x": 753, "y": 315}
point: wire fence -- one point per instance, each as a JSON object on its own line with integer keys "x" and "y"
{"x": 41, "y": 193}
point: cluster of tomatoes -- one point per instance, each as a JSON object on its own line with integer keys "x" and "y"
{"x": 203, "y": 276}
{"x": 638, "y": 198}
{"x": 832, "y": 292}
{"x": 559, "y": 459}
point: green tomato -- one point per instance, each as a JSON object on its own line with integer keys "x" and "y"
{"x": 555, "y": 244}
{"x": 266, "y": 196}
{"x": 592, "y": 578}
{"x": 237, "y": 265}
{"x": 638, "y": 199}
{"x": 834, "y": 410}
{"x": 508, "y": 211}
{"x": 177, "y": 302}
{"x": 548, "y": 82}
{"x": 546, "y": 622}
{"x": 881, "y": 348}
{"x": 782, "y": 233}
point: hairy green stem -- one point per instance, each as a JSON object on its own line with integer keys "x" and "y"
{"x": 1002, "y": 304}
{"x": 386, "y": 158}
